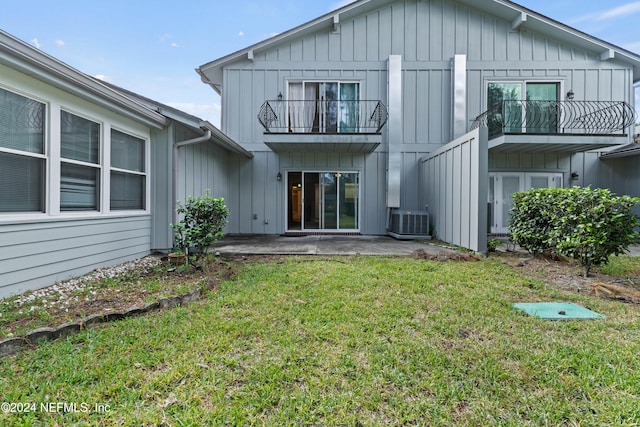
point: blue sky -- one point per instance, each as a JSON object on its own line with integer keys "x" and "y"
{"x": 153, "y": 47}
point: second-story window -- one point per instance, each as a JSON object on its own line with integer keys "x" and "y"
{"x": 323, "y": 107}
{"x": 523, "y": 107}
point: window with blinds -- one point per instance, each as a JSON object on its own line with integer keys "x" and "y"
{"x": 22, "y": 153}
{"x": 128, "y": 174}
{"x": 80, "y": 166}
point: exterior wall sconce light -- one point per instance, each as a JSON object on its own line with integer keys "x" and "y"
{"x": 279, "y": 177}
{"x": 575, "y": 175}
{"x": 570, "y": 94}
{"x": 279, "y": 96}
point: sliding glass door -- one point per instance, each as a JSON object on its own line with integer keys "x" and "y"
{"x": 323, "y": 201}
{"x": 523, "y": 107}
{"x": 324, "y": 107}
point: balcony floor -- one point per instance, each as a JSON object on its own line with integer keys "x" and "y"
{"x": 555, "y": 143}
{"x": 345, "y": 143}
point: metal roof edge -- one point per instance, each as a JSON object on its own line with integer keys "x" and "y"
{"x": 328, "y": 19}
{"x": 52, "y": 67}
{"x": 225, "y": 140}
{"x": 631, "y": 149}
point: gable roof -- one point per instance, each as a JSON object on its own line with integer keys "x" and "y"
{"x": 23, "y": 57}
{"x": 211, "y": 72}
{"x": 196, "y": 124}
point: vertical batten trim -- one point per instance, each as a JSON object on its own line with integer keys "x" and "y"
{"x": 459, "y": 95}
{"x": 394, "y": 126}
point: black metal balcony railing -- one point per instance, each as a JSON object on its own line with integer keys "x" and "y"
{"x": 320, "y": 116}
{"x": 557, "y": 117}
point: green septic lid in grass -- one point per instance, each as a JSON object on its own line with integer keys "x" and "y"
{"x": 557, "y": 310}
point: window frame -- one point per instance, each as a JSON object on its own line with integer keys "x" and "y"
{"x": 97, "y": 166}
{"x": 523, "y": 82}
{"x": 324, "y": 124}
{"x": 145, "y": 174}
{"x": 44, "y": 156}
{"x": 52, "y": 161}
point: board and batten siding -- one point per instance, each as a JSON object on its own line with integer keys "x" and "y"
{"x": 38, "y": 254}
{"x": 426, "y": 34}
{"x": 455, "y": 182}
{"x": 201, "y": 167}
{"x": 618, "y": 174}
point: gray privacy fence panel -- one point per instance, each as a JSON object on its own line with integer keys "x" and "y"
{"x": 454, "y": 182}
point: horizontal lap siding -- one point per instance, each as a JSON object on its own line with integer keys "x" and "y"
{"x": 39, "y": 254}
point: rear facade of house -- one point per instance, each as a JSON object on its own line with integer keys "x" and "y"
{"x": 408, "y": 117}
{"x": 89, "y": 174}
{"x": 356, "y": 111}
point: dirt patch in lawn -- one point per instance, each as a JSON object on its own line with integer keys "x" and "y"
{"x": 566, "y": 274}
{"x": 110, "y": 290}
{"x": 152, "y": 278}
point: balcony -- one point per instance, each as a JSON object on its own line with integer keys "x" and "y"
{"x": 321, "y": 125}
{"x": 519, "y": 125}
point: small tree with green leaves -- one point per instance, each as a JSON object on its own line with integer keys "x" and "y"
{"x": 585, "y": 224}
{"x": 202, "y": 222}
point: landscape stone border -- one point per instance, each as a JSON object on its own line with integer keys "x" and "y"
{"x": 14, "y": 344}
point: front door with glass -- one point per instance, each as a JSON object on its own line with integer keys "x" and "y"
{"x": 323, "y": 201}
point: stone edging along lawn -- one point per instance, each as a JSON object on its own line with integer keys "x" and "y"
{"x": 12, "y": 345}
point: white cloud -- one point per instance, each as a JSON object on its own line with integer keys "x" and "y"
{"x": 241, "y": 33}
{"x": 36, "y": 43}
{"x": 104, "y": 78}
{"x": 209, "y": 112}
{"x": 616, "y": 12}
{"x": 60, "y": 42}
{"x": 174, "y": 44}
{"x": 624, "y": 10}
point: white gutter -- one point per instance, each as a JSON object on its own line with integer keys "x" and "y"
{"x": 174, "y": 185}
{"x": 213, "y": 135}
{"x": 35, "y": 63}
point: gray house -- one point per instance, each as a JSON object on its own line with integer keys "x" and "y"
{"x": 402, "y": 117}
{"x": 89, "y": 173}
{"x": 421, "y": 116}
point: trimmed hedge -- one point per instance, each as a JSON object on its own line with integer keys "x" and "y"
{"x": 583, "y": 223}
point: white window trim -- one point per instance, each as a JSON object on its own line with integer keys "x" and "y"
{"x": 360, "y": 173}
{"x": 61, "y": 160}
{"x": 44, "y": 156}
{"x": 523, "y": 83}
{"x": 53, "y": 161}
{"x": 146, "y": 173}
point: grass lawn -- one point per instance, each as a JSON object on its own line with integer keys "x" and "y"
{"x": 343, "y": 341}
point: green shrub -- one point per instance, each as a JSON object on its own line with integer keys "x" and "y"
{"x": 493, "y": 244}
{"x": 585, "y": 224}
{"x": 201, "y": 224}
{"x": 532, "y": 217}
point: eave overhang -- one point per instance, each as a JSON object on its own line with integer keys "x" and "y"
{"x": 339, "y": 143}
{"x": 554, "y": 143}
{"x": 521, "y": 18}
{"x": 628, "y": 150}
{"x": 32, "y": 62}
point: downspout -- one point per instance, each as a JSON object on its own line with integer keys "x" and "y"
{"x": 174, "y": 191}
